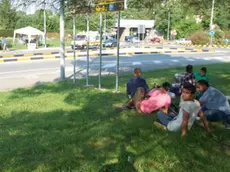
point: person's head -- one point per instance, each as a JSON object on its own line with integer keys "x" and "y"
{"x": 137, "y": 72}
{"x": 189, "y": 68}
{"x": 165, "y": 87}
{"x": 202, "y": 85}
{"x": 188, "y": 91}
{"x": 203, "y": 71}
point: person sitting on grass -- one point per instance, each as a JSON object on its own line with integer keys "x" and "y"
{"x": 214, "y": 103}
{"x": 157, "y": 99}
{"x": 183, "y": 78}
{"x": 187, "y": 77}
{"x": 189, "y": 109}
{"x": 202, "y": 75}
{"x": 136, "y": 82}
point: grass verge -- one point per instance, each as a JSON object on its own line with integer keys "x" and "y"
{"x": 66, "y": 127}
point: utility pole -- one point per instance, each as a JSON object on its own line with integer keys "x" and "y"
{"x": 169, "y": 17}
{"x": 211, "y": 21}
{"x": 44, "y": 14}
{"x": 62, "y": 41}
{"x": 212, "y": 14}
{"x": 105, "y": 23}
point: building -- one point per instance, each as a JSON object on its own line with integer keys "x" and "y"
{"x": 139, "y": 28}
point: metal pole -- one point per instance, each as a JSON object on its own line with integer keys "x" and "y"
{"x": 44, "y": 14}
{"x": 169, "y": 16}
{"x": 105, "y": 27}
{"x": 211, "y": 20}
{"x": 62, "y": 41}
{"x": 118, "y": 51}
{"x": 74, "y": 51}
{"x": 99, "y": 79}
{"x": 87, "y": 71}
{"x": 212, "y": 14}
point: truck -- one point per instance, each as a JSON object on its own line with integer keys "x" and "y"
{"x": 81, "y": 40}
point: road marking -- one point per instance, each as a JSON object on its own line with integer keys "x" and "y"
{"x": 111, "y": 65}
{"x": 191, "y": 60}
{"x": 157, "y": 61}
{"x": 219, "y": 58}
{"x": 175, "y": 61}
{"x": 207, "y": 59}
{"x": 137, "y": 63}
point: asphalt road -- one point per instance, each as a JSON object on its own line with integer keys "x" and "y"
{"x": 22, "y": 74}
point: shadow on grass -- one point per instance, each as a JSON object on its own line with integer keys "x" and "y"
{"x": 79, "y": 130}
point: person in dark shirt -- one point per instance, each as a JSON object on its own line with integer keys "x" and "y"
{"x": 136, "y": 82}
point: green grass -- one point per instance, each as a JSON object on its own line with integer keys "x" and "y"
{"x": 66, "y": 127}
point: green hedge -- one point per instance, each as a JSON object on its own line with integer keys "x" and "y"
{"x": 7, "y": 33}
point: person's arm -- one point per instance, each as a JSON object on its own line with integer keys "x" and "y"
{"x": 204, "y": 120}
{"x": 184, "y": 123}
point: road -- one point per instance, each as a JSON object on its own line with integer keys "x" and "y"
{"x": 21, "y": 74}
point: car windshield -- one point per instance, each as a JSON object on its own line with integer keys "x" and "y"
{"x": 80, "y": 37}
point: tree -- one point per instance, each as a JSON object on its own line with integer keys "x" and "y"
{"x": 8, "y": 15}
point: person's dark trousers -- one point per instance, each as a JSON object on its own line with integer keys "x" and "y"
{"x": 163, "y": 118}
{"x": 216, "y": 115}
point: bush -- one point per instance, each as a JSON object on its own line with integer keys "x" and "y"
{"x": 219, "y": 36}
{"x": 7, "y": 33}
{"x": 186, "y": 27}
{"x": 200, "y": 38}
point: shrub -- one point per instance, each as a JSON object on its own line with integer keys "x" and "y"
{"x": 200, "y": 37}
{"x": 219, "y": 36}
{"x": 7, "y": 33}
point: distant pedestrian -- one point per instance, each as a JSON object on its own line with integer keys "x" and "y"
{"x": 4, "y": 44}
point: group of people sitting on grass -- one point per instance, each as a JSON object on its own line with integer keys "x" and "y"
{"x": 198, "y": 101}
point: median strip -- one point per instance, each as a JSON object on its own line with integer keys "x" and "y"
{"x": 94, "y": 50}
{"x": 14, "y": 59}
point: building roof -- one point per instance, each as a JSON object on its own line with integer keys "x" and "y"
{"x": 136, "y": 23}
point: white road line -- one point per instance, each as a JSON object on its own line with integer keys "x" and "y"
{"x": 219, "y": 58}
{"x": 191, "y": 60}
{"x": 111, "y": 65}
{"x": 206, "y": 58}
{"x": 137, "y": 63}
{"x": 175, "y": 61}
{"x": 157, "y": 61}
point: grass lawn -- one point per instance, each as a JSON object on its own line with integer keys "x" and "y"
{"x": 66, "y": 127}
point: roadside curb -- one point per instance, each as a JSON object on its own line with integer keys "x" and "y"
{"x": 92, "y": 50}
{"x": 207, "y": 46}
{"x": 2, "y": 60}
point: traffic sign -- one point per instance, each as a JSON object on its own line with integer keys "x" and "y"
{"x": 211, "y": 33}
{"x": 110, "y": 5}
{"x": 227, "y": 40}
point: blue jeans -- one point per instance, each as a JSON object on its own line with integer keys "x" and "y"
{"x": 216, "y": 115}
{"x": 163, "y": 118}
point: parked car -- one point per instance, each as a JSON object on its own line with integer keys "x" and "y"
{"x": 128, "y": 38}
{"x": 183, "y": 41}
{"x": 110, "y": 43}
{"x": 135, "y": 40}
{"x": 155, "y": 40}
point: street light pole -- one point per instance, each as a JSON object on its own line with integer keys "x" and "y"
{"x": 211, "y": 21}
{"x": 169, "y": 17}
{"x": 44, "y": 14}
{"x": 212, "y": 14}
{"x": 62, "y": 41}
